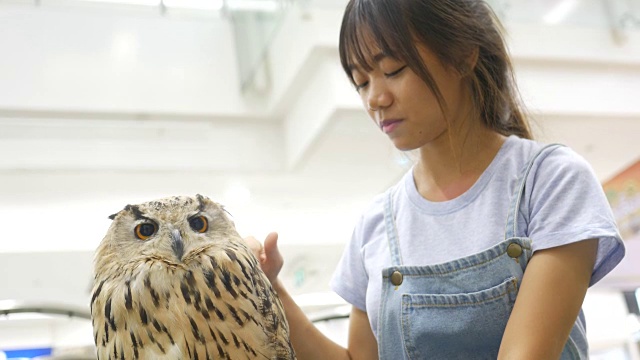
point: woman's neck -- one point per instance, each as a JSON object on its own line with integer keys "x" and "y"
{"x": 449, "y": 167}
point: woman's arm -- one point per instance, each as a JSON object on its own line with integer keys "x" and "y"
{"x": 309, "y": 342}
{"x": 550, "y": 297}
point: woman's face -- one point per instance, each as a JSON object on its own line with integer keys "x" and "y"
{"x": 401, "y": 103}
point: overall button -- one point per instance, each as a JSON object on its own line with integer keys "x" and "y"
{"x": 514, "y": 250}
{"x": 396, "y": 278}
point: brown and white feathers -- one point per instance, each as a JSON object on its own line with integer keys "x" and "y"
{"x": 174, "y": 280}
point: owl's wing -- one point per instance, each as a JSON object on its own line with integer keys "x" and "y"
{"x": 241, "y": 304}
{"x": 272, "y": 312}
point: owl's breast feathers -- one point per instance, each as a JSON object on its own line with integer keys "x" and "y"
{"x": 219, "y": 305}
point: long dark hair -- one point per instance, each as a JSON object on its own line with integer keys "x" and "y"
{"x": 452, "y": 30}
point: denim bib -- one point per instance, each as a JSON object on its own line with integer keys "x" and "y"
{"x": 458, "y": 309}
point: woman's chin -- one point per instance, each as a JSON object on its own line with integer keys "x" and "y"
{"x": 403, "y": 145}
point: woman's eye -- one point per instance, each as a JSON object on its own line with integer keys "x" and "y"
{"x": 361, "y": 85}
{"x": 145, "y": 230}
{"x": 359, "y": 79}
{"x": 199, "y": 223}
{"x": 394, "y": 73}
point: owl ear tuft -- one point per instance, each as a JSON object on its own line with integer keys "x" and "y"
{"x": 113, "y": 216}
{"x": 202, "y": 200}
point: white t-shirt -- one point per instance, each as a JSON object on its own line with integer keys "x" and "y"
{"x": 563, "y": 203}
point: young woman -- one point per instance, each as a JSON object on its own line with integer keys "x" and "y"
{"x": 486, "y": 248}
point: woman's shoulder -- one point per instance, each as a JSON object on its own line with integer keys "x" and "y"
{"x": 547, "y": 156}
{"x": 558, "y": 160}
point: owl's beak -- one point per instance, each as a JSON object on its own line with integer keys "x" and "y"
{"x": 176, "y": 243}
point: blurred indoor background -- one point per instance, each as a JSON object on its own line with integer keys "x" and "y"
{"x": 109, "y": 102}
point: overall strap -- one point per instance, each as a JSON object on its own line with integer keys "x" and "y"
{"x": 512, "y": 220}
{"x": 392, "y": 233}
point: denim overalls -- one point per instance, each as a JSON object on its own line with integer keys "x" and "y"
{"x": 458, "y": 309}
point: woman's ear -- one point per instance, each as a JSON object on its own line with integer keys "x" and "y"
{"x": 472, "y": 60}
{"x": 469, "y": 63}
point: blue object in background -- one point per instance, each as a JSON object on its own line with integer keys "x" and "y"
{"x": 26, "y": 353}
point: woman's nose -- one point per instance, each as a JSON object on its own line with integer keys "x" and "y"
{"x": 379, "y": 96}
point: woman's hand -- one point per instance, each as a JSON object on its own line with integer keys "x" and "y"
{"x": 269, "y": 256}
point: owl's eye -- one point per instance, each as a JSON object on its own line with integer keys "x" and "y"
{"x": 199, "y": 223}
{"x": 145, "y": 230}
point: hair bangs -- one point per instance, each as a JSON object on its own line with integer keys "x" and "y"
{"x": 364, "y": 34}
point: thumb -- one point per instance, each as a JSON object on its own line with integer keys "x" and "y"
{"x": 271, "y": 245}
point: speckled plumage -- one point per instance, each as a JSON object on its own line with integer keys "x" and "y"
{"x": 180, "y": 293}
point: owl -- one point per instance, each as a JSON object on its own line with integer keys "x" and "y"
{"x": 174, "y": 280}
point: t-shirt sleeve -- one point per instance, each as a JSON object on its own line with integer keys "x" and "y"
{"x": 350, "y": 278}
{"x": 567, "y": 204}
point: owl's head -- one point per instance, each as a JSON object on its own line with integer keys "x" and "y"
{"x": 170, "y": 231}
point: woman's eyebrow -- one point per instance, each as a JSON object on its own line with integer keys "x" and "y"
{"x": 376, "y": 59}
{"x": 380, "y": 56}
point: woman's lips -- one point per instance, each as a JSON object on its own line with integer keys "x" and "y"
{"x": 388, "y": 126}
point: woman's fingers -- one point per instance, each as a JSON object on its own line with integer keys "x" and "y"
{"x": 256, "y": 247}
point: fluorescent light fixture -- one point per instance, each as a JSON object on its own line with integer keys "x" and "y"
{"x": 253, "y": 5}
{"x": 560, "y": 12}
{"x": 124, "y": 47}
{"x": 129, "y": 2}
{"x": 25, "y": 316}
{"x": 214, "y": 5}
{"x": 7, "y": 304}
